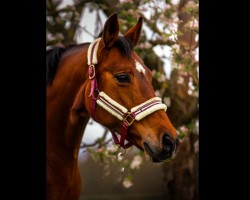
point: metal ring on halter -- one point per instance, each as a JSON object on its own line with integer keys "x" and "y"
{"x": 130, "y": 117}
{"x": 91, "y": 71}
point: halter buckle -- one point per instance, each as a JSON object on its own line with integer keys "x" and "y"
{"x": 129, "y": 119}
{"x": 91, "y": 71}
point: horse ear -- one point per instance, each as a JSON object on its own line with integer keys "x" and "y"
{"x": 111, "y": 30}
{"x": 134, "y": 33}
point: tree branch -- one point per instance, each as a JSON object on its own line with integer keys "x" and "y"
{"x": 99, "y": 141}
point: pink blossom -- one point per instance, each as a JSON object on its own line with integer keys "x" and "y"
{"x": 180, "y": 80}
{"x": 184, "y": 129}
{"x": 191, "y": 5}
{"x": 125, "y": 1}
{"x": 145, "y": 45}
{"x": 167, "y": 6}
{"x": 99, "y": 150}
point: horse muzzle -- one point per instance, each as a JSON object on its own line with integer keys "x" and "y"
{"x": 166, "y": 149}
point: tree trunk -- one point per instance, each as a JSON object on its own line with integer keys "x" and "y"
{"x": 181, "y": 173}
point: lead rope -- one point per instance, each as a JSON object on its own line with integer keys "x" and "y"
{"x": 114, "y": 108}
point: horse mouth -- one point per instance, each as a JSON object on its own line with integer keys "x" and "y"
{"x": 150, "y": 153}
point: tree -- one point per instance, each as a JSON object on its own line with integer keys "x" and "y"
{"x": 172, "y": 24}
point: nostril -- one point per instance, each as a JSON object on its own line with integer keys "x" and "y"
{"x": 167, "y": 142}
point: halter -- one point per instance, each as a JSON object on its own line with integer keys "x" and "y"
{"x": 114, "y": 108}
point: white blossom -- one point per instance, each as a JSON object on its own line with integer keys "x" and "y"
{"x": 120, "y": 157}
{"x": 135, "y": 164}
{"x": 157, "y": 93}
{"x": 127, "y": 183}
{"x": 176, "y": 48}
{"x": 112, "y": 149}
{"x": 167, "y": 101}
{"x": 161, "y": 78}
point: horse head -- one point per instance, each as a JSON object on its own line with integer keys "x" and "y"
{"x": 120, "y": 96}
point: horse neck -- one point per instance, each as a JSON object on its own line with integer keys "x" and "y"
{"x": 65, "y": 126}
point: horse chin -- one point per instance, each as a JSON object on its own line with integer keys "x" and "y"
{"x": 149, "y": 153}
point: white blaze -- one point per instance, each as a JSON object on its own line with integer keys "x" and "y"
{"x": 139, "y": 67}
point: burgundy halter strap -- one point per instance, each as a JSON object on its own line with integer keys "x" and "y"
{"x": 94, "y": 93}
{"x": 117, "y": 110}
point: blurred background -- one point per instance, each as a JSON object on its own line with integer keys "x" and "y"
{"x": 169, "y": 46}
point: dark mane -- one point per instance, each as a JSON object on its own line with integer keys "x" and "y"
{"x": 124, "y": 45}
{"x": 52, "y": 59}
{"x": 53, "y": 56}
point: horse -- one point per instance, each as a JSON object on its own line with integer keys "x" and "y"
{"x": 107, "y": 81}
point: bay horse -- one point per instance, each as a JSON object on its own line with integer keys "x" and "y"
{"x": 108, "y": 81}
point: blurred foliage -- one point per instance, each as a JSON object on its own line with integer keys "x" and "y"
{"x": 172, "y": 24}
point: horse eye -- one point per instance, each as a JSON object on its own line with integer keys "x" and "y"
{"x": 122, "y": 78}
